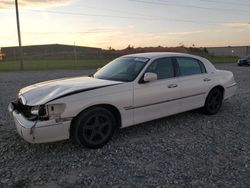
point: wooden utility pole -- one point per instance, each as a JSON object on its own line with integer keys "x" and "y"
{"x": 75, "y": 54}
{"x": 19, "y": 37}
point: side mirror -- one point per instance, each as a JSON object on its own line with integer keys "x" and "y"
{"x": 149, "y": 77}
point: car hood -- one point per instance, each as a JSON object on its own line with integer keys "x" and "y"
{"x": 45, "y": 92}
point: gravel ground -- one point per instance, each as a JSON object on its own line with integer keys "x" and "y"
{"x": 185, "y": 150}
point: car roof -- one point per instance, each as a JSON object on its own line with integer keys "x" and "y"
{"x": 152, "y": 55}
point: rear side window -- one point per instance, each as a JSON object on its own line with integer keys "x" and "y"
{"x": 190, "y": 66}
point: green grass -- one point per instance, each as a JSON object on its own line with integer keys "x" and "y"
{"x": 82, "y": 64}
{"x": 222, "y": 59}
{"x": 54, "y": 64}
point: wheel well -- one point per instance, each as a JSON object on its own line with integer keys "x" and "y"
{"x": 221, "y": 88}
{"x": 114, "y": 111}
{"x": 109, "y": 107}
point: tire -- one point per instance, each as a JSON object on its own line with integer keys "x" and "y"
{"x": 93, "y": 128}
{"x": 213, "y": 101}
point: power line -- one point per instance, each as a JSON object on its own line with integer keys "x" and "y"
{"x": 139, "y": 14}
{"x": 114, "y": 10}
{"x": 128, "y": 17}
{"x": 167, "y": 3}
{"x": 86, "y": 14}
{"x": 187, "y": 6}
{"x": 141, "y": 17}
{"x": 226, "y": 3}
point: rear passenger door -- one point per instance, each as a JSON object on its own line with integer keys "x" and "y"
{"x": 194, "y": 82}
{"x": 157, "y": 99}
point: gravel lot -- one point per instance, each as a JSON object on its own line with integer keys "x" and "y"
{"x": 185, "y": 150}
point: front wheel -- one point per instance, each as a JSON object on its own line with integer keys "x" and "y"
{"x": 214, "y": 101}
{"x": 93, "y": 128}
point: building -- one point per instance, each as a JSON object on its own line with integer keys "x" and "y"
{"x": 2, "y": 55}
{"x": 240, "y": 51}
{"x": 54, "y": 51}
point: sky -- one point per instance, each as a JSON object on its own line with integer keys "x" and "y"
{"x": 119, "y": 23}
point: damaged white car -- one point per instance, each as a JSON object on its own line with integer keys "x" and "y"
{"x": 129, "y": 90}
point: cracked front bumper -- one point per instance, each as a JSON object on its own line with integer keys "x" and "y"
{"x": 40, "y": 131}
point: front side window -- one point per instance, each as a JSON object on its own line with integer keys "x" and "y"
{"x": 124, "y": 69}
{"x": 163, "y": 68}
{"x": 189, "y": 66}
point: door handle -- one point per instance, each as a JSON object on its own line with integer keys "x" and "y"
{"x": 172, "y": 85}
{"x": 206, "y": 79}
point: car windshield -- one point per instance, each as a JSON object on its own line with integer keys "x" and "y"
{"x": 124, "y": 69}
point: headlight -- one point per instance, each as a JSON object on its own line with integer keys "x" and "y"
{"x": 51, "y": 111}
{"x": 39, "y": 110}
{"x": 34, "y": 110}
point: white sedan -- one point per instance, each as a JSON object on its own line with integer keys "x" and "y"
{"x": 129, "y": 90}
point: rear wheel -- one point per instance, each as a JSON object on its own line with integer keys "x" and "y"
{"x": 94, "y": 128}
{"x": 214, "y": 101}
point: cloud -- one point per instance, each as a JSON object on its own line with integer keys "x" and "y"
{"x": 6, "y": 4}
{"x": 116, "y": 37}
{"x": 33, "y": 3}
{"x": 240, "y": 25}
{"x": 184, "y": 33}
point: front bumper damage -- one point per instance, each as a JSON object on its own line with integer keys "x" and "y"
{"x": 37, "y": 131}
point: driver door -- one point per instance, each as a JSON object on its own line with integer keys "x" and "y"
{"x": 158, "y": 98}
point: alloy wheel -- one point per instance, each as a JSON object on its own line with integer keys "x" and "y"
{"x": 97, "y": 128}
